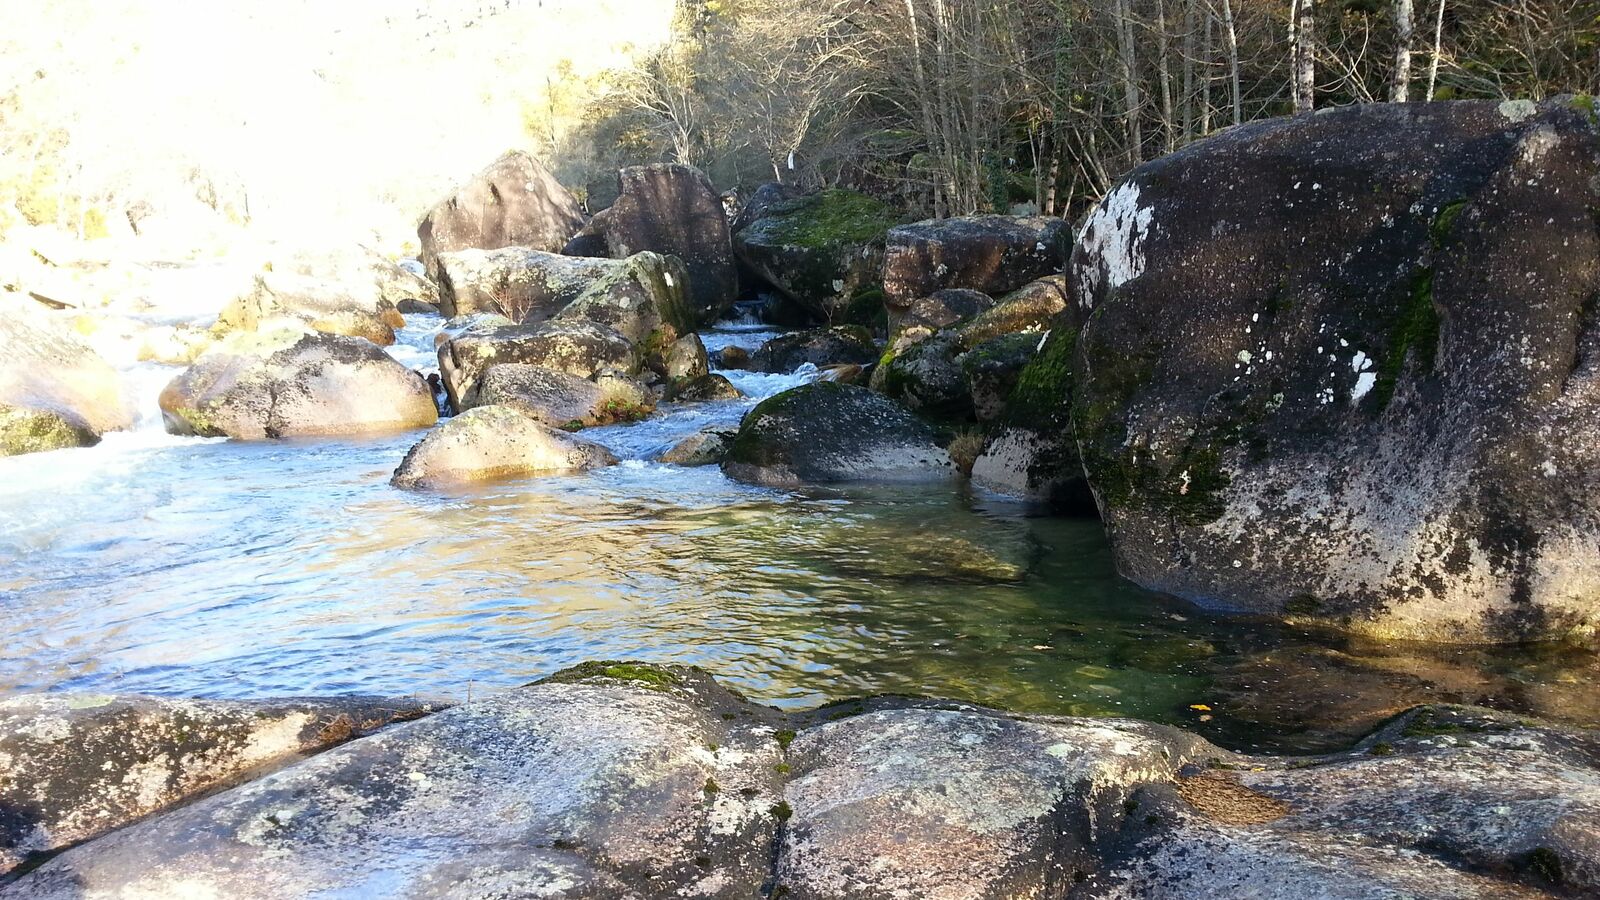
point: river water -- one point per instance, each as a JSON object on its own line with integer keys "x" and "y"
{"x": 190, "y": 567}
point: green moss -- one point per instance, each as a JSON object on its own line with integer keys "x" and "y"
{"x": 1042, "y": 399}
{"x": 1382, "y": 748}
{"x": 1585, "y": 104}
{"x": 865, "y": 308}
{"x": 1445, "y": 220}
{"x": 656, "y": 678}
{"x": 1545, "y": 863}
{"x": 36, "y": 431}
{"x": 615, "y": 409}
{"x": 827, "y": 220}
{"x": 1302, "y": 605}
{"x": 785, "y": 737}
{"x": 711, "y": 786}
{"x": 782, "y": 811}
{"x": 782, "y": 768}
{"x": 1414, "y": 328}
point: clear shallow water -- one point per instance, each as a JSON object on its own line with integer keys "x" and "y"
{"x": 211, "y": 568}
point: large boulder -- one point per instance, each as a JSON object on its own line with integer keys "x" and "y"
{"x": 840, "y": 344}
{"x": 487, "y": 443}
{"x": 828, "y": 432}
{"x": 287, "y": 300}
{"x": 561, "y": 400}
{"x": 55, "y": 391}
{"x": 283, "y": 383}
{"x": 75, "y": 766}
{"x": 613, "y": 780}
{"x": 522, "y": 284}
{"x": 1342, "y": 367}
{"x": 645, "y": 298}
{"x": 513, "y": 202}
{"x": 574, "y": 346}
{"x": 673, "y": 210}
{"x": 821, "y": 252}
{"x": 992, "y": 254}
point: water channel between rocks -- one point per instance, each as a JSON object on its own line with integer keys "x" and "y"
{"x": 189, "y": 567}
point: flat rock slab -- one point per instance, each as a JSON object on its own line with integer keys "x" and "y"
{"x": 628, "y": 780}
{"x": 630, "y": 785}
{"x": 73, "y": 766}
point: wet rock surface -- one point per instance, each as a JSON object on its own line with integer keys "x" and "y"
{"x": 834, "y": 432}
{"x": 1392, "y": 429}
{"x": 487, "y": 443}
{"x": 515, "y": 201}
{"x": 819, "y": 346}
{"x": 75, "y": 766}
{"x": 55, "y": 390}
{"x": 286, "y": 384}
{"x": 631, "y": 780}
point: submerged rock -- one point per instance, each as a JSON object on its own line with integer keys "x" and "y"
{"x": 513, "y": 202}
{"x": 55, "y": 391}
{"x": 822, "y": 252}
{"x": 1392, "y": 428}
{"x": 281, "y": 300}
{"x": 561, "y": 400}
{"x": 288, "y": 384}
{"x": 992, "y": 254}
{"x": 574, "y": 346}
{"x": 624, "y": 779}
{"x": 673, "y": 210}
{"x": 75, "y": 766}
{"x": 820, "y": 347}
{"x": 828, "y": 432}
{"x": 487, "y": 443}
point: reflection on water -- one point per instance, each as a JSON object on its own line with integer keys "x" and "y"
{"x": 219, "y": 569}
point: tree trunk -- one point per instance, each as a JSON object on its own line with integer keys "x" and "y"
{"x": 1049, "y": 207}
{"x": 1400, "y": 87}
{"x": 1188, "y": 71}
{"x": 930, "y": 133}
{"x": 1438, "y": 40}
{"x": 1164, "y": 74}
{"x": 1130, "y": 83}
{"x": 1305, "y": 58}
{"x": 1233, "y": 60}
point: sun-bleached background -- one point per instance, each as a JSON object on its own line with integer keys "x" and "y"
{"x": 303, "y": 117}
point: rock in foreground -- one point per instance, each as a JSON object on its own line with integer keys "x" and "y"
{"x": 289, "y": 384}
{"x": 829, "y": 432}
{"x": 630, "y": 780}
{"x": 492, "y": 442}
{"x": 1393, "y": 427}
{"x": 75, "y": 766}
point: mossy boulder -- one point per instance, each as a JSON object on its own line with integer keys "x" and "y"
{"x": 645, "y": 298}
{"x": 827, "y": 432}
{"x": 55, "y": 390}
{"x": 575, "y": 346}
{"x": 819, "y": 347}
{"x": 514, "y": 202}
{"x": 281, "y": 384}
{"x": 821, "y": 252}
{"x": 559, "y": 399}
{"x": 520, "y": 283}
{"x": 1030, "y": 453}
{"x": 1398, "y": 417}
{"x": 287, "y": 300}
{"x": 488, "y": 443}
{"x": 992, "y": 254}
{"x": 1029, "y": 309}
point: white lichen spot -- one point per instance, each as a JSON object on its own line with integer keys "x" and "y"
{"x": 667, "y": 277}
{"x": 838, "y": 285}
{"x": 1518, "y": 110}
{"x": 1364, "y": 384}
{"x": 1244, "y": 356}
{"x": 1114, "y": 239}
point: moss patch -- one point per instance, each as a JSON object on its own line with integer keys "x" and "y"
{"x": 828, "y": 220}
{"x": 656, "y": 678}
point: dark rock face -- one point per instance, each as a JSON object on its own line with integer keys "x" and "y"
{"x": 1343, "y": 367}
{"x": 822, "y": 253}
{"x": 513, "y": 202}
{"x": 1030, "y": 452}
{"x": 631, "y": 780}
{"x": 576, "y": 347}
{"x": 702, "y": 388}
{"x": 820, "y": 347}
{"x": 828, "y": 432}
{"x": 761, "y": 201}
{"x": 703, "y": 448}
{"x": 80, "y": 765}
{"x": 281, "y": 384}
{"x": 992, "y": 254}
{"x": 673, "y": 210}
